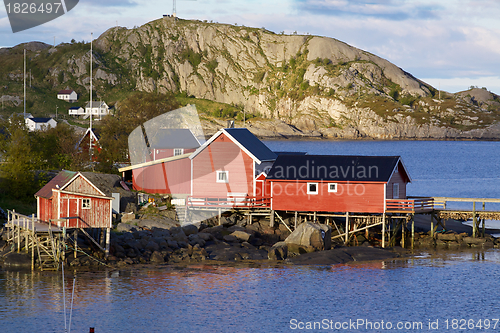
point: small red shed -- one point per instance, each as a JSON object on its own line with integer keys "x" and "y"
{"x": 228, "y": 164}
{"x": 336, "y": 183}
{"x": 73, "y": 201}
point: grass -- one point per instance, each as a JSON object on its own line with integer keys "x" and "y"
{"x": 23, "y": 207}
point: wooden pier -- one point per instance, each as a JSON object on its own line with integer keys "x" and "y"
{"x": 398, "y": 218}
{"x": 46, "y": 243}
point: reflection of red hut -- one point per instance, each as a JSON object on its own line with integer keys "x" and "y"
{"x": 73, "y": 201}
{"x": 227, "y": 165}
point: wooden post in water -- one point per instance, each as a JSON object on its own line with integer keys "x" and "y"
{"x": 432, "y": 225}
{"x": 26, "y": 234}
{"x": 383, "y": 230}
{"x": 403, "y": 227}
{"x": 18, "y": 234}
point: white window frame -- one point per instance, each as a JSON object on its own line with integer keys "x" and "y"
{"x": 332, "y": 190}
{"x": 86, "y": 203}
{"x": 219, "y": 180}
{"x": 178, "y": 151}
{"x": 395, "y": 191}
{"x": 309, "y": 188}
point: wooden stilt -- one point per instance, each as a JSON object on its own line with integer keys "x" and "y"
{"x": 108, "y": 236}
{"x": 474, "y": 220}
{"x": 412, "y": 231}
{"x": 18, "y": 234}
{"x": 271, "y": 219}
{"x": 346, "y": 228}
{"x": 314, "y": 217}
{"x": 403, "y": 234}
{"x": 383, "y": 230}
{"x": 295, "y": 224}
{"x": 432, "y": 225}
{"x": 64, "y": 244}
{"x": 75, "y": 236}
{"x": 33, "y": 241}
{"x": 219, "y": 215}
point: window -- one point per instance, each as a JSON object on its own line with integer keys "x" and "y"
{"x": 222, "y": 176}
{"x": 312, "y": 188}
{"x": 86, "y": 203}
{"x": 178, "y": 151}
{"x": 395, "y": 191}
{"x": 332, "y": 187}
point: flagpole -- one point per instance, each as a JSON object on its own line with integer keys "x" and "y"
{"x": 90, "y": 129}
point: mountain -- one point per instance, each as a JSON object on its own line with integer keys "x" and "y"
{"x": 291, "y": 85}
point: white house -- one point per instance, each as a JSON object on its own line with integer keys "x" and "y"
{"x": 40, "y": 124}
{"x": 98, "y": 109}
{"x": 68, "y": 95}
{"x": 76, "y": 111}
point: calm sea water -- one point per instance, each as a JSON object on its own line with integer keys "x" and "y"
{"x": 448, "y": 292}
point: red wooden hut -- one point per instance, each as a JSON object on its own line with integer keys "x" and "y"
{"x": 71, "y": 200}
{"x": 335, "y": 183}
{"x": 228, "y": 164}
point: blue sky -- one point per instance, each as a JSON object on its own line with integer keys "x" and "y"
{"x": 451, "y": 44}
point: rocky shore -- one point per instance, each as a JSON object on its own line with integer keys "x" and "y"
{"x": 159, "y": 239}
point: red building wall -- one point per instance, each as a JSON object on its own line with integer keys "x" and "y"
{"x": 222, "y": 155}
{"x": 397, "y": 177}
{"x": 350, "y": 197}
{"x": 172, "y": 177}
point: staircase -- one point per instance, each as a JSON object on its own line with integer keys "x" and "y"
{"x": 49, "y": 249}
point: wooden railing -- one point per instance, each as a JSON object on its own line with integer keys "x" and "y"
{"x": 228, "y": 202}
{"x": 409, "y": 205}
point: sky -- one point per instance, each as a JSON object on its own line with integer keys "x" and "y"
{"x": 450, "y": 44}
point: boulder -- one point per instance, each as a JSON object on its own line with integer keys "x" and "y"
{"x": 18, "y": 260}
{"x": 152, "y": 246}
{"x": 242, "y": 236}
{"x": 278, "y": 251}
{"x": 125, "y": 227}
{"x": 126, "y": 218}
{"x": 309, "y": 237}
{"x": 190, "y": 229}
{"x": 230, "y": 238}
{"x": 157, "y": 258}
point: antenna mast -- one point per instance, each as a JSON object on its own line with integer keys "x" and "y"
{"x": 90, "y": 129}
{"x": 24, "y": 85}
{"x": 174, "y": 10}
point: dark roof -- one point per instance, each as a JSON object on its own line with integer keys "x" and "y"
{"x": 168, "y": 138}
{"x": 75, "y": 107}
{"x": 65, "y": 92}
{"x": 40, "y": 120}
{"x": 58, "y": 181}
{"x": 251, "y": 143}
{"x": 334, "y": 168}
{"x": 289, "y": 153}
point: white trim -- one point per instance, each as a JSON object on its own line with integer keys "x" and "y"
{"x": 311, "y": 192}
{"x": 218, "y": 179}
{"x": 272, "y": 196}
{"x": 236, "y": 142}
{"x": 191, "y": 180}
{"x": 111, "y": 213}
{"x": 76, "y": 176}
{"x": 385, "y": 196}
{"x": 181, "y": 150}
{"x": 332, "y": 190}
{"x": 253, "y": 179}
{"x": 396, "y": 169}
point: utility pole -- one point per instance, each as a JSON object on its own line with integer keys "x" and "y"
{"x": 56, "y": 111}
{"x": 24, "y": 84}
{"x": 90, "y": 129}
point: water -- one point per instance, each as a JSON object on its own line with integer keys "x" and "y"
{"x": 205, "y": 298}
{"x": 428, "y": 289}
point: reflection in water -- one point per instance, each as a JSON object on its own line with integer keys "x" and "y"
{"x": 212, "y": 298}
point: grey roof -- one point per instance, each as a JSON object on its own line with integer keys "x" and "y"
{"x": 95, "y": 104}
{"x": 251, "y": 143}
{"x": 335, "y": 168}
{"x": 169, "y": 138}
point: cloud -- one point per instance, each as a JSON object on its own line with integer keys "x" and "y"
{"x": 392, "y": 10}
{"x": 110, "y": 3}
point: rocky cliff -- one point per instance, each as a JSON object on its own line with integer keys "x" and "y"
{"x": 307, "y": 85}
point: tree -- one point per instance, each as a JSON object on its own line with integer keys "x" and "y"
{"x": 130, "y": 113}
